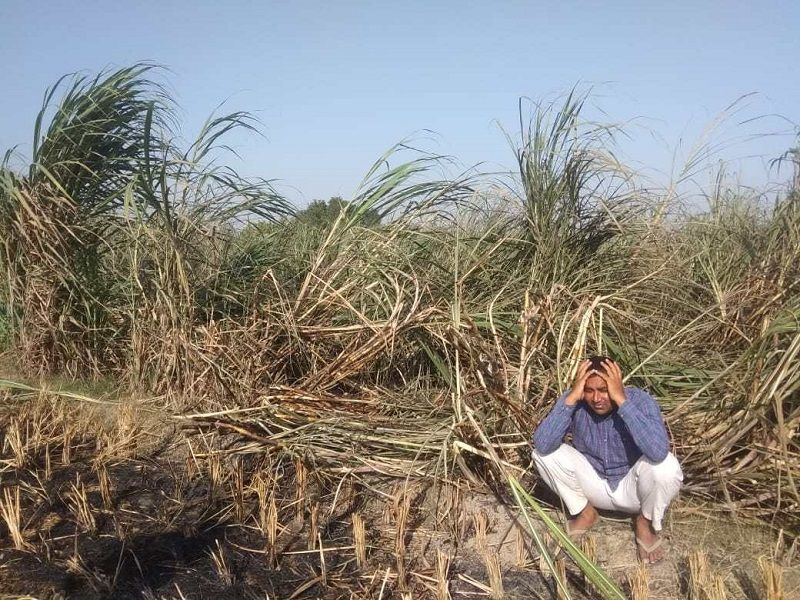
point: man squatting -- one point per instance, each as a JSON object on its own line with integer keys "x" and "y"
{"x": 620, "y": 460}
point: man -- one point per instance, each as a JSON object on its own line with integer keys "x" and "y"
{"x": 620, "y": 460}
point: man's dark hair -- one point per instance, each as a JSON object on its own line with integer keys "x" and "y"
{"x": 597, "y": 363}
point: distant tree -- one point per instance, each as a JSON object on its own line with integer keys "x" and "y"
{"x": 321, "y": 213}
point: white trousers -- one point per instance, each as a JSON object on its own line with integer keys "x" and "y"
{"x": 648, "y": 487}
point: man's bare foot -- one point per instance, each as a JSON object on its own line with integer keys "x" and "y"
{"x": 648, "y": 542}
{"x": 582, "y": 522}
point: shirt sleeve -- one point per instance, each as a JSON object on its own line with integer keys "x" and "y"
{"x": 643, "y": 419}
{"x": 551, "y": 431}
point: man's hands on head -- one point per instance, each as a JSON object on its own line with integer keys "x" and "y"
{"x": 612, "y": 376}
{"x": 613, "y": 379}
{"x": 576, "y": 393}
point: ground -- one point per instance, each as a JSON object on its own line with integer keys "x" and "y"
{"x": 120, "y": 502}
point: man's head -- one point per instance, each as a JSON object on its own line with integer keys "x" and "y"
{"x": 595, "y": 390}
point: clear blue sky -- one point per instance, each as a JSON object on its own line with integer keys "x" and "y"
{"x": 336, "y": 83}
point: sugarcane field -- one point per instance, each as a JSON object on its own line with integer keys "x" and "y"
{"x": 208, "y": 391}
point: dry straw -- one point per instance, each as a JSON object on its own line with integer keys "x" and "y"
{"x": 442, "y": 575}
{"x": 220, "y": 563}
{"x": 301, "y": 491}
{"x": 11, "y": 510}
{"x": 271, "y": 528}
{"x": 238, "y": 489}
{"x": 104, "y": 482}
{"x": 639, "y": 583}
{"x": 704, "y": 584}
{"x": 772, "y": 578}
{"x": 359, "y": 540}
{"x": 589, "y": 547}
{"x": 13, "y": 437}
{"x": 402, "y": 506}
{"x": 481, "y": 524}
{"x": 521, "y": 548}
{"x": 66, "y": 446}
{"x": 80, "y": 507}
{"x": 560, "y": 575}
{"x": 495, "y": 573}
{"x": 313, "y": 526}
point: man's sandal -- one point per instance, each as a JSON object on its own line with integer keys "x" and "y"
{"x": 648, "y": 549}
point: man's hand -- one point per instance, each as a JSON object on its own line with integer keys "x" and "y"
{"x": 576, "y": 393}
{"x": 613, "y": 379}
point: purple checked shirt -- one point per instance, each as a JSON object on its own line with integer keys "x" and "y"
{"x": 612, "y": 443}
